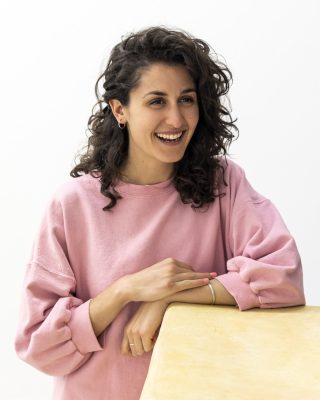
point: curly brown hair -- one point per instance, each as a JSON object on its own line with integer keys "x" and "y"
{"x": 198, "y": 173}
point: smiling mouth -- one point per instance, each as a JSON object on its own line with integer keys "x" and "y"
{"x": 167, "y": 138}
{"x": 172, "y": 132}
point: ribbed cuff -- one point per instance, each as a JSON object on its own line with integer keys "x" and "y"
{"x": 240, "y": 290}
{"x": 82, "y": 331}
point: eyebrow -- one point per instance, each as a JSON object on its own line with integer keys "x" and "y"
{"x": 159, "y": 93}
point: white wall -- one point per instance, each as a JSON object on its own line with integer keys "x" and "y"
{"x": 52, "y": 54}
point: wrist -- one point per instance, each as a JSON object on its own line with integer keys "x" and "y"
{"x": 166, "y": 300}
{"x": 212, "y": 291}
{"x": 123, "y": 290}
{"x": 169, "y": 299}
{"x": 162, "y": 304}
{"x": 222, "y": 296}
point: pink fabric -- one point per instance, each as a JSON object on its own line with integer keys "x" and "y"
{"x": 80, "y": 249}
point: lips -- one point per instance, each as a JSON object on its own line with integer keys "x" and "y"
{"x": 171, "y": 132}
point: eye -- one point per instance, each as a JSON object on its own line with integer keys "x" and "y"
{"x": 156, "y": 101}
{"x": 188, "y": 98}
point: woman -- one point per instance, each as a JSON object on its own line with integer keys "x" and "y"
{"x": 183, "y": 224}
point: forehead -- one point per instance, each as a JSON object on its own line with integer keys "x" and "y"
{"x": 164, "y": 77}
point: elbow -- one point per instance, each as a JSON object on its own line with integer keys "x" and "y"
{"x": 59, "y": 361}
{"x": 285, "y": 294}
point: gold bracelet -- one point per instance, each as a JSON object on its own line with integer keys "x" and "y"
{"x": 213, "y": 293}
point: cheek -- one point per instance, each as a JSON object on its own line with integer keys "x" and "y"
{"x": 142, "y": 128}
{"x": 193, "y": 116}
{"x": 151, "y": 125}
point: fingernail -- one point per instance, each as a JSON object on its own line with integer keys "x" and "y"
{"x": 213, "y": 273}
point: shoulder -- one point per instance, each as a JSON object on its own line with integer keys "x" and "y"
{"x": 233, "y": 172}
{"x": 75, "y": 190}
{"x": 239, "y": 187}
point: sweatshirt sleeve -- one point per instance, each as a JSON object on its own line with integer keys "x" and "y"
{"x": 54, "y": 333}
{"x": 265, "y": 269}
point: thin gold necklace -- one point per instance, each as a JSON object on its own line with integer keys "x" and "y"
{"x": 128, "y": 180}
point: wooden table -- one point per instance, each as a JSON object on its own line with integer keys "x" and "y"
{"x": 208, "y": 352}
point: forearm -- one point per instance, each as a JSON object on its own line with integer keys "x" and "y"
{"x": 104, "y": 308}
{"x": 203, "y": 295}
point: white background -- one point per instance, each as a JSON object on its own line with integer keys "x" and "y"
{"x": 52, "y": 53}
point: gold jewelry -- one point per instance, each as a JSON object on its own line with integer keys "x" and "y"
{"x": 128, "y": 180}
{"x": 121, "y": 127}
{"x": 213, "y": 293}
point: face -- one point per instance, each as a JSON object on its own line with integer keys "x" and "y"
{"x": 175, "y": 109}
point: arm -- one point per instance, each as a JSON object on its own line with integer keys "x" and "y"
{"x": 145, "y": 323}
{"x": 55, "y": 333}
{"x": 106, "y": 306}
{"x": 264, "y": 266}
{"x": 203, "y": 295}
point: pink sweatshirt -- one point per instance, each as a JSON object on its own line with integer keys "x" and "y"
{"x": 81, "y": 249}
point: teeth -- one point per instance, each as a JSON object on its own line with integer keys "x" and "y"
{"x": 172, "y": 137}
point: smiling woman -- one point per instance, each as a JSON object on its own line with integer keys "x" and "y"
{"x": 162, "y": 81}
{"x": 159, "y": 129}
{"x": 100, "y": 277}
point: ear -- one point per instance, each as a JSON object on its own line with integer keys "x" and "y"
{"x": 117, "y": 109}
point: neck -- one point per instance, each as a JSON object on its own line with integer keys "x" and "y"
{"x": 130, "y": 175}
{"x": 145, "y": 182}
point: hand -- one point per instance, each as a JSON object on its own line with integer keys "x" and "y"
{"x": 163, "y": 279}
{"x": 142, "y": 329}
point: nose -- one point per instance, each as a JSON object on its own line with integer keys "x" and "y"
{"x": 175, "y": 117}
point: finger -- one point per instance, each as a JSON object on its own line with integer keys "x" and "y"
{"x": 186, "y": 268}
{"x": 147, "y": 343}
{"x": 178, "y": 264}
{"x": 138, "y": 346}
{"x": 184, "y": 265}
{"x": 189, "y": 284}
{"x": 135, "y": 345}
{"x": 194, "y": 275}
{"x": 125, "y": 348}
{"x": 155, "y": 337}
{"x": 132, "y": 346}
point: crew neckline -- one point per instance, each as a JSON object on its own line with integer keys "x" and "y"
{"x": 133, "y": 189}
{"x": 144, "y": 190}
